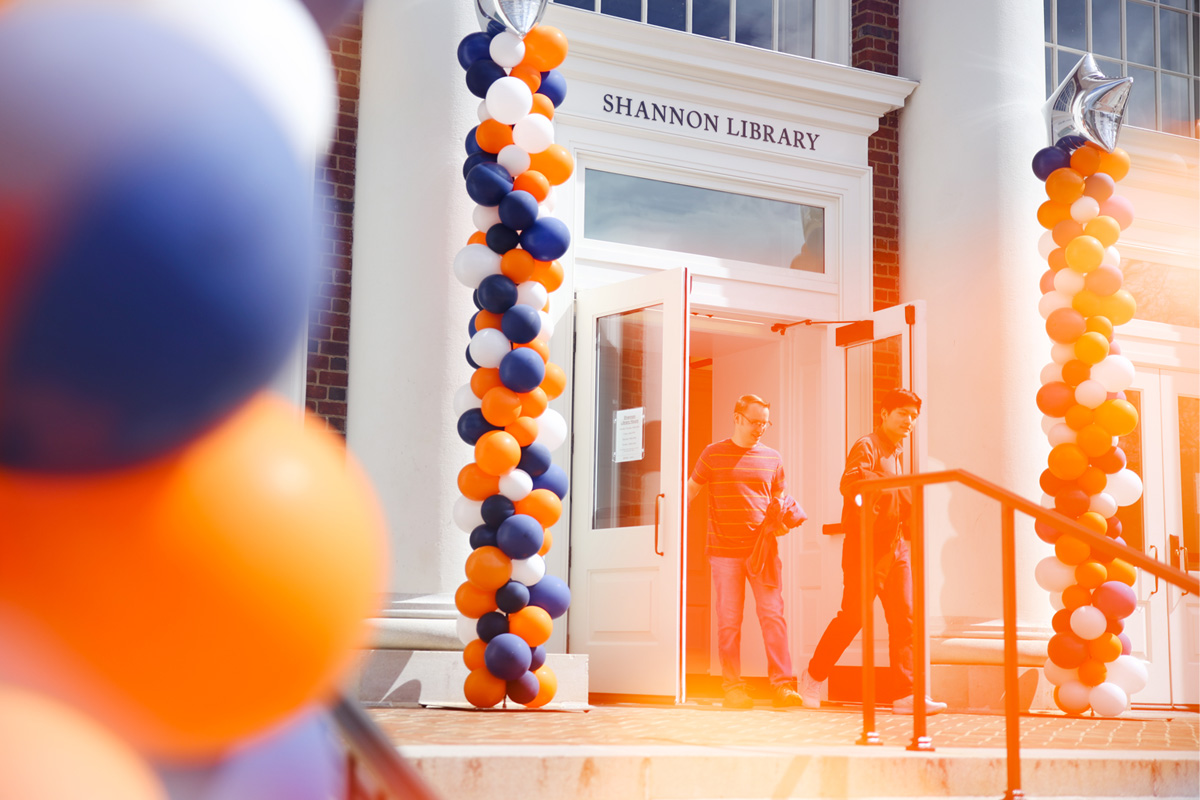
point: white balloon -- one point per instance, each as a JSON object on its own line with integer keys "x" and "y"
{"x": 1046, "y": 244}
{"x": 1074, "y": 697}
{"x": 528, "y": 570}
{"x": 485, "y": 217}
{"x": 1084, "y": 210}
{"x": 1046, "y": 501}
{"x": 474, "y": 263}
{"x": 509, "y": 100}
{"x": 1088, "y": 622}
{"x": 1051, "y": 302}
{"x": 1062, "y": 433}
{"x": 1059, "y": 675}
{"x": 552, "y": 429}
{"x": 508, "y": 50}
{"x": 513, "y": 159}
{"x": 488, "y": 347}
{"x": 465, "y": 628}
{"x": 467, "y": 513}
{"x": 534, "y": 133}
{"x": 1062, "y": 353}
{"x": 1108, "y": 700}
{"x": 1068, "y": 282}
{"x": 1053, "y": 575}
{"x": 1112, "y": 257}
{"x": 1124, "y": 486}
{"x": 547, "y": 326}
{"x": 1090, "y": 393}
{"x": 1129, "y": 673}
{"x": 1056, "y": 601}
{"x": 1103, "y": 504}
{"x": 547, "y": 205}
{"x": 482, "y": 111}
{"x": 1048, "y": 423}
{"x": 1115, "y": 373}
{"x": 532, "y": 294}
{"x": 1050, "y": 373}
{"x": 516, "y": 485}
{"x": 465, "y": 400}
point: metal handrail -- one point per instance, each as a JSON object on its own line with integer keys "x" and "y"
{"x": 370, "y": 746}
{"x": 1009, "y": 504}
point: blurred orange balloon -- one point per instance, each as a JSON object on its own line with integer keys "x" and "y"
{"x": 554, "y": 162}
{"x": 1115, "y": 164}
{"x": 1092, "y": 672}
{"x": 1093, "y": 440}
{"x": 547, "y": 543}
{"x": 1057, "y": 259}
{"x": 529, "y": 75}
{"x": 1093, "y": 480}
{"x": 1119, "y": 307}
{"x": 1105, "y": 230}
{"x": 501, "y": 406}
{"x": 476, "y": 484}
{"x": 1078, "y": 417}
{"x": 1086, "y": 303}
{"x": 548, "y": 687}
{"x": 545, "y": 48}
{"x": 473, "y": 655}
{"x": 1091, "y": 347}
{"x": 497, "y": 452}
{"x": 533, "y": 182}
{"x": 543, "y": 105}
{"x": 540, "y": 347}
{"x": 1093, "y": 520}
{"x": 541, "y": 504}
{"x": 531, "y": 623}
{"x": 1071, "y": 550}
{"x": 1086, "y": 159}
{"x": 1100, "y": 325}
{"x": 1064, "y": 185}
{"x": 484, "y": 379}
{"x": 478, "y": 237}
{"x": 483, "y": 689}
{"x": 1090, "y": 574}
{"x": 474, "y": 602}
{"x": 1067, "y": 461}
{"x": 534, "y": 402}
{"x": 1122, "y": 571}
{"x": 517, "y": 264}
{"x": 178, "y": 585}
{"x": 49, "y": 751}
{"x": 486, "y": 319}
{"x": 1075, "y": 596}
{"x": 524, "y": 430}
{"x": 1050, "y": 213}
{"x": 1105, "y": 649}
{"x": 1117, "y": 416}
{"x": 1065, "y": 231}
{"x": 548, "y": 274}
{"x": 493, "y": 136}
{"x": 555, "y": 380}
{"x": 488, "y": 568}
{"x": 1084, "y": 253}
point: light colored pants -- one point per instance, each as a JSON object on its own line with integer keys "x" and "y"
{"x": 729, "y": 597}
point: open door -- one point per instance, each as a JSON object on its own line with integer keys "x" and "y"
{"x": 630, "y": 419}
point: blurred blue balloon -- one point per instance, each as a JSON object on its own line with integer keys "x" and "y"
{"x": 488, "y": 183}
{"x": 554, "y": 479}
{"x": 512, "y": 597}
{"x": 524, "y": 689}
{"x": 554, "y": 86}
{"x": 501, "y": 238}
{"x": 521, "y": 324}
{"x": 491, "y": 625}
{"x": 538, "y": 658}
{"x": 173, "y": 242}
{"x": 552, "y": 594}
{"x": 522, "y": 369}
{"x": 535, "y": 459}
{"x": 497, "y": 293}
{"x": 518, "y": 210}
{"x": 507, "y": 656}
{"x": 1071, "y": 143}
{"x": 482, "y": 74}
{"x": 520, "y": 536}
{"x": 471, "y": 143}
{"x": 472, "y": 425}
{"x": 473, "y": 47}
{"x": 1049, "y": 159}
{"x": 474, "y": 160}
{"x": 470, "y": 360}
{"x": 495, "y": 510}
{"x": 482, "y": 536}
{"x": 546, "y": 239}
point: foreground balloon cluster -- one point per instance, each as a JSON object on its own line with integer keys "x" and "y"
{"x": 185, "y": 567}
{"x": 1086, "y": 411}
{"x": 511, "y": 492}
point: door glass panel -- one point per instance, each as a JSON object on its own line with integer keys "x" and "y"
{"x": 1189, "y": 476}
{"x": 871, "y": 370}
{"x": 628, "y": 453}
{"x": 1132, "y": 516}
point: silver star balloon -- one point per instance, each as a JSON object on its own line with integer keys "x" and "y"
{"x": 519, "y": 16}
{"x": 1088, "y": 104}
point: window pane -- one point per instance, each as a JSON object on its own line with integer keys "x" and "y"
{"x": 796, "y": 27}
{"x": 711, "y": 18}
{"x": 1047, "y": 21}
{"x": 1173, "y": 40}
{"x": 1189, "y": 475}
{"x": 1164, "y": 294}
{"x": 1139, "y": 33}
{"x": 1072, "y": 19}
{"x": 668, "y": 14}
{"x": 689, "y": 219}
{"x": 1180, "y": 3}
{"x": 587, "y": 5}
{"x": 625, "y": 9}
{"x": 1132, "y": 516}
{"x": 754, "y": 23}
{"x": 1177, "y": 110}
{"x": 1050, "y": 81}
{"x": 1140, "y": 110}
{"x": 1106, "y": 29}
{"x": 1066, "y": 63}
{"x": 1111, "y": 69}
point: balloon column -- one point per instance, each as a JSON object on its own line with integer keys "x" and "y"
{"x": 1082, "y": 394}
{"x": 181, "y": 559}
{"x": 511, "y": 492}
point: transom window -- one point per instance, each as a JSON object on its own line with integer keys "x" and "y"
{"x": 1156, "y": 42}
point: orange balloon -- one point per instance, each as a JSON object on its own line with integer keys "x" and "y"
{"x": 486, "y": 319}
{"x": 488, "y": 568}
{"x": 474, "y": 602}
{"x": 1071, "y": 550}
{"x": 555, "y": 380}
{"x": 1100, "y": 325}
{"x": 501, "y": 407}
{"x": 524, "y": 430}
{"x": 497, "y": 452}
{"x": 1115, "y": 164}
{"x": 1086, "y": 302}
{"x": 517, "y": 264}
{"x": 1057, "y": 259}
{"x": 478, "y": 237}
{"x": 1075, "y": 596}
{"x": 1064, "y": 185}
{"x": 533, "y": 182}
{"x": 555, "y": 162}
{"x": 483, "y": 689}
{"x": 1092, "y": 672}
{"x": 543, "y": 105}
{"x": 548, "y": 274}
{"x": 1086, "y": 159}
{"x": 473, "y": 655}
{"x": 484, "y": 379}
{"x": 1065, "y": 232}
{"x": 1093, "y": 480}
{"x": 1093, "y": 520}
{"x": 208, "y": 557}
{"x": 1051, "y": 213}
{"x": 547, "y": 543}
{"x": 1067, "y": 461}
{"x": 540, "y": 347}
{"x": 531, "y": 623}
{"x": 529, "y": 75}
{"x": 1122, "y": 571}
{"x": 1105, "y": 649}
{"x": 545, "y": 48}
{"x": 1093, "y": 440}
{"x": 476, "y": 484}
{"x": 1116, "y": 416}
{"x": 493, "y": 136}
{"x": 534, "y": 402}
{"x": 547, "y": 687}
{"x": 1119, "y": 307}
{"x": 541, "y": 504}
{"x": 1105, "y": 230}
{"x": 1091, "y": 574}
{"x": 1091, "y": 347}
{"x": 1079, "y": 417}
{"x": 1084, "y": 253}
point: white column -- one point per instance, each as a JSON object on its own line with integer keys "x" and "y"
{"x": 969, "y": 247}
{"x": 409, "y": 314}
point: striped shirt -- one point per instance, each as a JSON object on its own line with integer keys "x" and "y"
{"x": 741, "y": 483}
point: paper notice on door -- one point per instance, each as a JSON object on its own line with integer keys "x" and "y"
{"x": 628, "y": 442}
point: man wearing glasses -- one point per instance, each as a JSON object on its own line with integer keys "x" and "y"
{"x": 743, "y": 477}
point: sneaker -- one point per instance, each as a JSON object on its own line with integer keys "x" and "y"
{"x": 738, "y": 698}
{"x": 810, "y": 690}
{"x": 905, "y": 706}
{"x": 786, "y": 696}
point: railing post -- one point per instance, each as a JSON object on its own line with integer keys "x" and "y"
{"x": 1012, "y": 699}
{"x": 921, "y": 739}
{"x": 867, "y": 550}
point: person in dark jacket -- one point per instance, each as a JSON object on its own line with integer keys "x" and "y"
{"x": 875, "y": 455}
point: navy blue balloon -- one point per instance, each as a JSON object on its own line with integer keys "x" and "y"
{"x": 497, "y": 293}
{"x": 554, "y": 479}
{"x": 521, "y": 324}
{"x": 524, "y": 689}
{"x": 483, "y": 536}
{"x": 475, "y": 159}
{"x": 473, "y": 47}
{"x": 522, "y": 369}
{"x": 507, "y": 656}
{"x": 546, "y": 239}
{"x": 495, "y": 27}
{"x": 552, "y": 594}
{"x": 518, "y": 210}
{"x": 470, "y": 360}
{"x": 538, "y": 659}
{"x": 1071, "y": 143}
{"x": 482, "y": 74}
{"x": 520, "y": 536}
{"x": 535, "y": 458}
{"x": 475, "y": 300}
{"x": 471, "y": 329}
{"x": 488, "y": 183}
{"x": 1049, "y": 159}
{"x": 512, "y": 597}
{"x": 554, "y": 86}
{"x": 496, "y": 509}
{"x": 501, "y": 238}
{"x": 472, "y": 425}
{"x": 491, "y": 625}
{"x": 471, "y": 143}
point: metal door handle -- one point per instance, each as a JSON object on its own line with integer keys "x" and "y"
{"x": 1155, "y": 557}
{"x": 657, "y": 514}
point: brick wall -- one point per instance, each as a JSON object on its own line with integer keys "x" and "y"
{"x": 329, "y": 317}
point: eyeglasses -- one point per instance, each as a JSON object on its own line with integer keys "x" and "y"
{"x": 753, "y": 423}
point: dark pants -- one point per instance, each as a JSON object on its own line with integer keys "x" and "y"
{"x": 893, "y": 586}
